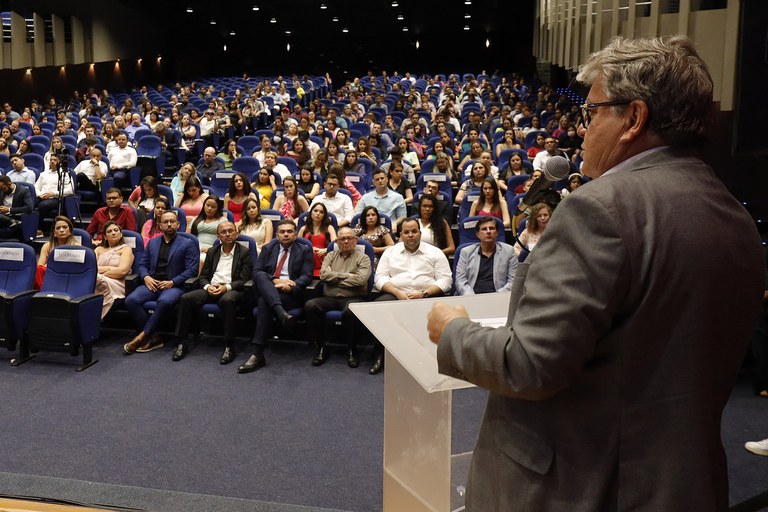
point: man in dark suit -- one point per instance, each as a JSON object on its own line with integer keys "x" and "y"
{"x": 14, "y": 201}
{"x": 281, "y": 273}
{"x": 227, "y": 267}
{"x": 168, "y": 261}
{"x": 608, "y": 382}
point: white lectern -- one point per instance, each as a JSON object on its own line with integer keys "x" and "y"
{"x": 417, "y": 399}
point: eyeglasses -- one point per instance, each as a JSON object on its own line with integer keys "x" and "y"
{"x": 345, "y": 238}
{"x": 586, "y": 115}
{"x": 113, "y": 198}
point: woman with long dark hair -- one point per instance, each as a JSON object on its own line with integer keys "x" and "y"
{"x": 318, "y": 230}
{"x": 239, "y": 190}
{"x": 435, "y": 230}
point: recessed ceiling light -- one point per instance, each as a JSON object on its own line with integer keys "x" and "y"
{"x": 417, "y": 44}
{"x": 213, "y": 22}
{"x": 345, "y": 30}
{"x": 255, "y": 7}
{"x": 273, "y": 20}
{"x": 190, "y": 10}
{"x": 466, "y": 27}
{"x": 232, "y": 33}
{"x": 287, "y": 32}
{"x": 394, "y": 4}
{"x": 487, "y": 43}
{"x": 335, "y": 18}
{"x": 400, "y": 17}
{"x": 288, "y": 47}
{"x": 225, "y": 47}
{"x": 467, "y": 16}
{"x": 467, "y": 2}
{"x": 405, "y": 29}
{"x": 323, "y": 6}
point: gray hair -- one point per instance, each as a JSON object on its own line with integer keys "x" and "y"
{"x": 667, "y": 74}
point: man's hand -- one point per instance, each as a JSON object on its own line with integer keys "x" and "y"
{"x": 151, "y": 283}
{"x": 284, "y": 285}
{"x": 440, "y": 316}
{"x": 217, "y": 289}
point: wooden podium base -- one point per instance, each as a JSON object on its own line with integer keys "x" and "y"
{"x": 13, "y": 505}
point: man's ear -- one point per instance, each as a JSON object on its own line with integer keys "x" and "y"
{"x": 636, "y": 119}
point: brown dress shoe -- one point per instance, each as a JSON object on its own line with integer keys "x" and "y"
{"x": 133, "y": 345}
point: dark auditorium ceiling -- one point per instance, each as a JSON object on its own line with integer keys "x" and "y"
{"x": 452, "y": 34}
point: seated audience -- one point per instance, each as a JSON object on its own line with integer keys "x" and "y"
{"x": 338, "y": 204}
{"x": 281, "y": 273}
{"x": 386, "y": 201}
{"x": 318, "y": 230}
{"x": 47, "y": 190}
{"x": 15, "y": 200}
{"x": 239, "y": 190}
{"x": 151, "y": 229}
{"x": 435, "y": 230}
{"x": 410, "y": 270}
{"x": 206, "y": 225}
{"x": 167, "y": 263}
{"x": 344, "y": 275}
{"x": 370, "y": 229}
{"x": 191, "y": 202}
{"x": 490, "y": 203}
{"x": 252, "y": 224}
{"x": 61, "y": 234}
{"x": 487, "y": 266}
{"x": 226, "y": 269}
{"x": 114, "y": 260}
{"x": 19, "y": 171}
{"x": 114, "y": 210}
{"x": 290, "y": 203}
{"x": 537, "y": 222}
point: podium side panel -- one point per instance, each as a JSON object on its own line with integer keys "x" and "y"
{"x": 417, "y": 444}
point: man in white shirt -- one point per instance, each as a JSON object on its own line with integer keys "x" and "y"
{"x": 338, "y": 204}
{"x": 121, "y": 159}
{"x": 550, "y": 150}
{"x": 47, "y": 189}
{"x": 90, "y": 172}
{"x": 410, "y": 270}
{"x": 19, "y": 171}
{"x": 207, "y": 126}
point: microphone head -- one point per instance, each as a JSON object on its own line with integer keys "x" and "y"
{"x": 556, "y": 168}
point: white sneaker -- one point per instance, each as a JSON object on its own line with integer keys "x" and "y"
{"x": 758, "y": 447}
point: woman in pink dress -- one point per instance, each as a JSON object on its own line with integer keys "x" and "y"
{"x": 114, "y": 260}
{"x": 291, "y": 204}
{"x": 151, "y": 228}
{"x": 192, "y": 200}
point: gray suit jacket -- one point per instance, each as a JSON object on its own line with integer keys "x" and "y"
{"x": 624, "y": 340}
{"x": 504, "y": 267}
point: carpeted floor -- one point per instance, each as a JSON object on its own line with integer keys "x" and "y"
{"x": 145, "y": 432}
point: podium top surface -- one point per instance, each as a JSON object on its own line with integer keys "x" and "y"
{"x": 401, "y": 326}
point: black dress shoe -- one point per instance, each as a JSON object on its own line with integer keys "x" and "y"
{"x": 320, "y": 357}
{"x": 352, "y": 361}
{"x": 227, "y": 356}
{"x": 288, "y": 322}
{"x": 252, "y": 364}
{"x": 180, "y": 352}
{"x": 378, "y": 366}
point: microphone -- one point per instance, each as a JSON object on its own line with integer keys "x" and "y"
{"x": 555, "y": 169}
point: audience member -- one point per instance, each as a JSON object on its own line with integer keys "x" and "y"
{"x": 282, "y": 272}
{"x": 167, "y": 263}
{"x": 62, "y": 233}
{"x": 338, "y": 204}
{"x": 151, "y": 229}
{"x": 318, "y": 230}
{"x": 114, "y": 260}
{"x": 15, "y": 200}
{"x": 47, "y": 189}
{"x": 487, "y": 266}
{"x": 226, "y": 269}
{"x": 114, "y": 210}
{"x": 20, "y": 172}
{"x": 370, "y": 229}
{"x": 344, "y": 276}
{"x": 252, "y": 223}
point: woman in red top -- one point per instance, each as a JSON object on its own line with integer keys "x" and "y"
{"x": 320, "y": 232}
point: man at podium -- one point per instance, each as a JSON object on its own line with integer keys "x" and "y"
{"x": 628, "y": 324}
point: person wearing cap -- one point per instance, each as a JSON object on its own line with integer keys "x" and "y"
{"x": 285, "y": 113}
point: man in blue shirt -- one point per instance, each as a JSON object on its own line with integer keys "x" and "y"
{"x": 387, "y": 202}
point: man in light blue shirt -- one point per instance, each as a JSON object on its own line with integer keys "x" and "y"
{"x": 387, "y": 202}
{"x": 20, "y": 172}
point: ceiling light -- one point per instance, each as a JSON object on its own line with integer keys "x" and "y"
{"x": 190, "y": 10}
{"x": 466, "y": 27}
{"x": 288, "y": 47}
{"x": 394, "y": 4}
{"x": 323, "y": 6}
{"x": 405, "y": 29}
{"x": 213, "y": 22}
{"x": 335, "y": 19}
{"x": 417, "y": 44}
{"x": 467, "y": 2}
{"x": 487, "y": 43}
{"x": 400, "y": 17}
{"x": 345, "y": 30}
{"x": 467, "y": 16}
{"x": 255, "y": 7}
{"x": 232, "y": 33}
{"x": 273, "y": 20}
{"x": 287, "y": 32}
{"x": 225, "y": 47}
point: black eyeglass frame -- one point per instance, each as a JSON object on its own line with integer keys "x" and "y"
{"x": 586, "y": 115}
